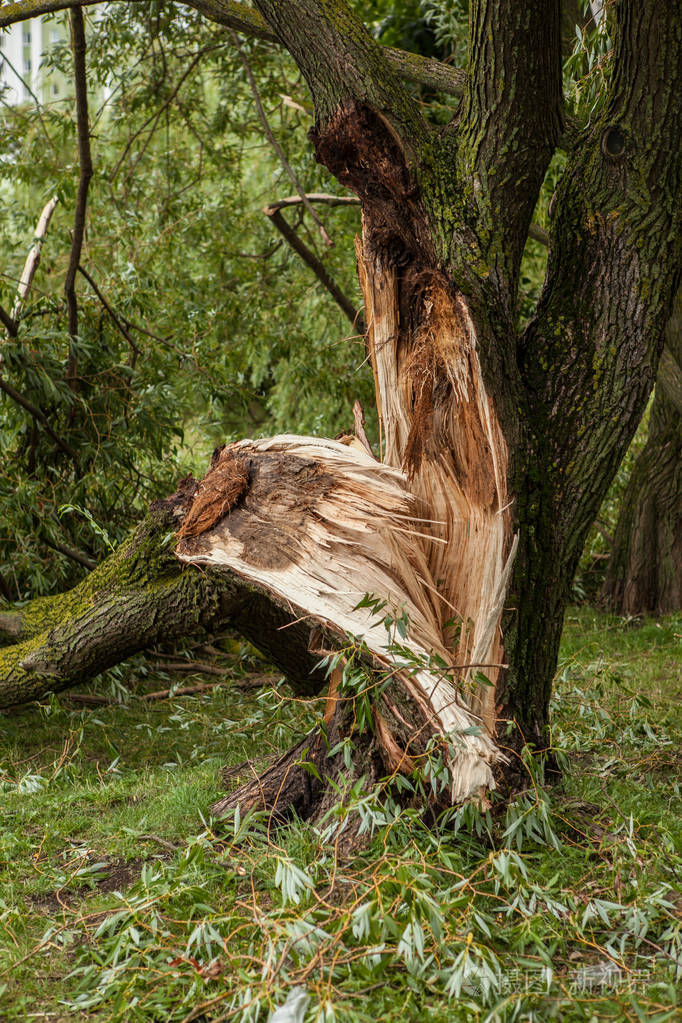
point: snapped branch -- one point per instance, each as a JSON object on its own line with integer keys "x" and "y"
{"x": 33, "y": 258}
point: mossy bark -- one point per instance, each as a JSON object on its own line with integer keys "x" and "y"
{"x": 140, "y": 596}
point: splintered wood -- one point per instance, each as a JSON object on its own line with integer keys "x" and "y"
{"x": 439, "y": 426}
{"x": 320, "y": 525}
{"x": 225, "y": 482}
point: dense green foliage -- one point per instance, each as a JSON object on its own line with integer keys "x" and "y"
{"x": 120, "y": 903}
{"x": 227, "y": 332}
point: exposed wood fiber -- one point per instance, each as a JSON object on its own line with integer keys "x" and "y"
{"x": 321, "y": 525}
{"x": 219, "y": 491}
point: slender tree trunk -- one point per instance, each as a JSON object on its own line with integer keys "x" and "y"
{"x": 644, "y": 574}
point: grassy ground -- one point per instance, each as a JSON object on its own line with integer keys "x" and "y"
{"x": 121, "y": 900}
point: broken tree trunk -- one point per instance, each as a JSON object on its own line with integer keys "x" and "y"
{"x": 498, "y": 444}
{"x": 324, "y": 526}
{"x": 296, "y": 534}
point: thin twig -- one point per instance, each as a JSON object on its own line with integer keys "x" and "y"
{"x": 168, "y": 694}
{"x": 39, "y": 417}
{"x": 309, "y": 257}
{"x": 91, "y": 700}
{"x": 155, "y": 117}
{"x": 38, "y": 104}
{"x": 198, "y": 666}
{"x": 160, "y": 841}
{"x": 275, "y": 144}
{"x": 117, "y": 322}
{"x": 85, "y": 160}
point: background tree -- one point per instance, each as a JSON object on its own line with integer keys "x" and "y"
{"x": 498, "y": 442}
{"x": 644, "y": 574}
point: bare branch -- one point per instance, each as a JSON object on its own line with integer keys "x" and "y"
{"x": 117, "y": 322}
{"x": 33, "y": 258}
{"x": 155, "y": 117}
{"x": 275, "y": 144}
{"x": 318, "y": 268}
{"x": 85, "y": 160}
{"x": 39, "y": 417}
{"x": 320, "y": 197}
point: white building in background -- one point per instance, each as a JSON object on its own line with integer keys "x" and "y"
{"x": 21, "y": 51}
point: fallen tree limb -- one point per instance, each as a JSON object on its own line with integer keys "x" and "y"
{"x": 284, "y": 539}
{"x": 139, "y": 597}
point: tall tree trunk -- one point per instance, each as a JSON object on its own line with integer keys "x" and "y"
{"x": 644, "y": 574}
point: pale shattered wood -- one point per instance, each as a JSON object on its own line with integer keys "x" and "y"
{"x": 460, "y": 476}
{"x": 324, "y": 524}
{"x": 33, "y": 258}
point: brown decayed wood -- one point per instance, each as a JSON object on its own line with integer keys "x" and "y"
{"x": 217, "y": 494}
{"x": 276, "y": 487}
{"x": 362, "y": 150}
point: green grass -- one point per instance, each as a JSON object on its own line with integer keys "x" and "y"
{"x": 121, "y": 900}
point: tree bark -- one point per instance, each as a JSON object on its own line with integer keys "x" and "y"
{"x": 138, "y": 597}
{"x": 644, "y": 574}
